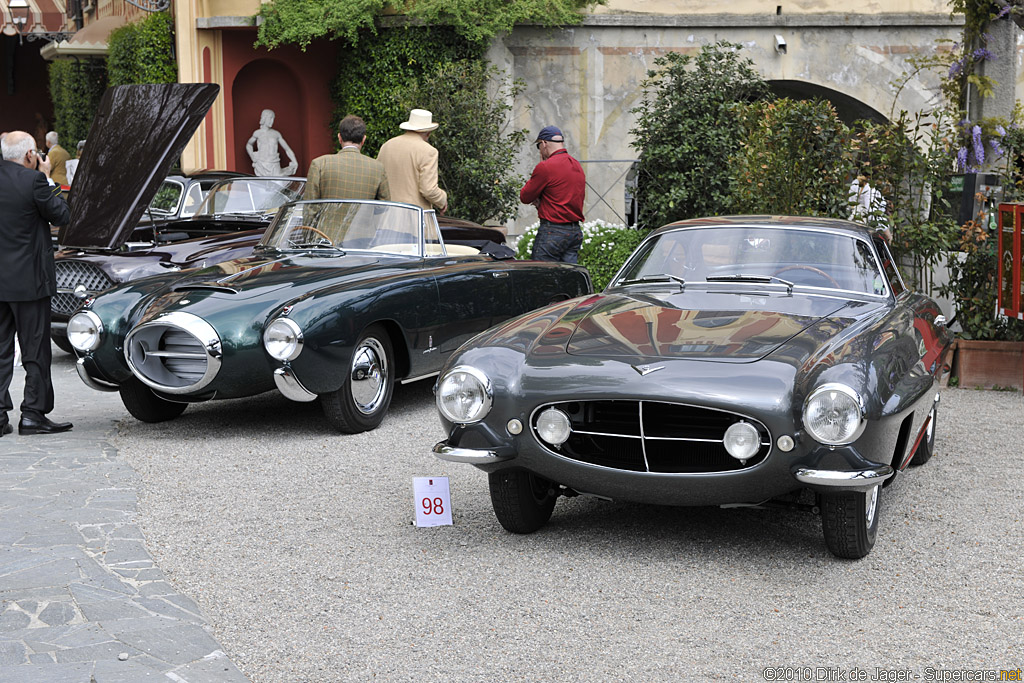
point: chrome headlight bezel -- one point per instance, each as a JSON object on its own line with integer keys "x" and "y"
{"x": 91, "y": 339}
{"x": 283, "y": 340}
{"x": 479, "y": 383}
{"x": 852, "y": 405}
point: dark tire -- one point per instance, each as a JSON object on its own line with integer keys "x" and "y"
{"x": 63, "y": 344}
{"x": 363, "y": 400}
{"x": 522, "y": 501}
{"x": 146, "y": 406}
{"x": 849, "y": 520}
{"x": 926, "y": 446}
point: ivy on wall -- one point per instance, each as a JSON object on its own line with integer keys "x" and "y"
{"x": 373, "y": 75}
{"x": 477, "y": 21}
{"x": 143, "y": 52}
{"x": 76, "y": 87}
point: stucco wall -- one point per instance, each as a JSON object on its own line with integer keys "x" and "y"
{"x": 587, "y": 79}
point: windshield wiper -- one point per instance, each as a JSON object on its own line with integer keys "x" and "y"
{"x": 743, "y": 277}
{"x": 661, "y": 277}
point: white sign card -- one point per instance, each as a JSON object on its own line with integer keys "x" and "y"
{"x": 433, "y": 501}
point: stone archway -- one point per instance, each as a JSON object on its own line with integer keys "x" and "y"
{"x": 269, "y": 84}
{"x": 849, "y": 108}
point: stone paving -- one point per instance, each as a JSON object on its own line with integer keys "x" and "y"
{"x": 81, "y": 600}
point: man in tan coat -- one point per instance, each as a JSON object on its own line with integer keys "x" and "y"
{"x": 347, "y": 174}
{"x": 411, "y": 163}
{"x": 58, "y": 158}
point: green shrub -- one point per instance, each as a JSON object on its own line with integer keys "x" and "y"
{"x": 76, "y": 87}
{"x": 793, "y": 159}
{"x": 476, "y": 149}
{"x": 606, "y": 246}
{"x": 142, "y": 52}
{"x": 687, "y": 129}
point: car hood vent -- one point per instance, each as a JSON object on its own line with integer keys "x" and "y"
{"x": 634, "y": 327}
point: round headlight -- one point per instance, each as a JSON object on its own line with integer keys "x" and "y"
{"x": 553, "y": 426}
{"x": 283, "y": 339}
{"x": 464, "y": 395}
{"x": 833, "y": 415}
{"x": 85, "y": 330}
{"x": 742, "y": 440}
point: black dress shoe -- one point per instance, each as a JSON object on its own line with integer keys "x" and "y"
{"x": 6, "y": 429}
{"x": 44, "y": 426}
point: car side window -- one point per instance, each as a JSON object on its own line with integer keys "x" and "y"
{"x": 192, "y": 201}
{"x": 892, "y": 273}
{"x": 432, "y": 244}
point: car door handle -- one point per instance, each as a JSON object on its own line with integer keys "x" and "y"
{"x": 500, "y": 273}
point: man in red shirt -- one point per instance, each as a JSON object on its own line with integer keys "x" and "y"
{"x": 556, "y": 187}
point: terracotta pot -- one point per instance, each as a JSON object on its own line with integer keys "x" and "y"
{"x": 990, "y": 364}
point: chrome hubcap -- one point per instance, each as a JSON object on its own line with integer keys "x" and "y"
{"x": 872, "y": 506}
{"x": 369, "y": 376}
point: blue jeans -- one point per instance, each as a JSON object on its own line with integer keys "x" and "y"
{"x": 557, "y": 242}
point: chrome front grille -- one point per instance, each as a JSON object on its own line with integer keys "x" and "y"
{"x": 652, "y": 436}
{"x": 87, "y": 278}
{"x": 176, "y": 353}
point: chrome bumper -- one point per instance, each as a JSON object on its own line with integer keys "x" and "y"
{"x": 856, "y": 479}
{"x": 289, "y": 385}
{"x": 90, "y": 381}
{"x": 470, "y": 455}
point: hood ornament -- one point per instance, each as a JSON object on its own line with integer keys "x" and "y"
{"x": 647, "y": 369}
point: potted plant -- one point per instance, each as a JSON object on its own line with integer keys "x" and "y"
{"x": 989, "y": 348}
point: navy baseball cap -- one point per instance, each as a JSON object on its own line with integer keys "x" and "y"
{"x": 550, "y": 133}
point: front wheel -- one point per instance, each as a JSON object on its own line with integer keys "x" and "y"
{"x": 146, "y": 406}
{"x": 926, "y": 447}
{"x": 362, "y": 401}
{"x": 522, "y": 501}
{"x": 849, "y": 520}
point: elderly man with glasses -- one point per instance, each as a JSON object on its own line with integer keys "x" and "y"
{"x": 557, "y": 188}
{"x": 29, "y": 204}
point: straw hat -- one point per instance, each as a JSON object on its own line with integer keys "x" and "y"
{"x": 420, "y": 120}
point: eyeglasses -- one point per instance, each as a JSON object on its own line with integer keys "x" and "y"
{"x": 537, "y": 144}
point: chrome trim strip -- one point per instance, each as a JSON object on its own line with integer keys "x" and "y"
{"x": 58, "y": 326}
{"x": 409, "y": 380}
{"x": 471, "y": 455}
{"x": 90, "y": 381}
{"x": 289, "y": 385}
{"x": 856, "y": 479}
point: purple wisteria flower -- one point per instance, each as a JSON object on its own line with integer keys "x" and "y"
{"x": 955, "y": 68}
{"x": 977, "y": 146}
{"x": 982, "y": 54}
{"x": 1003, "y": 12}
{"x": 961, "y": 159}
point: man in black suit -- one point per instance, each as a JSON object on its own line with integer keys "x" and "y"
{"x": 29, "y": 203}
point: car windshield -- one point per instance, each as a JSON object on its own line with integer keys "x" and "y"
{"x": 257, "y": 196}
{"x": 346, "y": 225}
{"x": 783, "y": 256}
{"x": 167, "y": 197}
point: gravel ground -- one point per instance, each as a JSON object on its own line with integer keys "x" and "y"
{"x": 298, "y": 544}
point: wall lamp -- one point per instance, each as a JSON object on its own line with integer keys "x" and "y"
{"x": 20, "y": 11}
{"x": 780, "y": 44}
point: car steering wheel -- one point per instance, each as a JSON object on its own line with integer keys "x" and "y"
{"x": 816, "y": 271}
{"x": 311, "y": 229}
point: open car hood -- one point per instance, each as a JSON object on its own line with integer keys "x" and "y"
{"x": 138, "y": 133}
{"x": 643, "y": 327}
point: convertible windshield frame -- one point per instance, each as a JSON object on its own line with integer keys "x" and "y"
{"x": 813, "y": 259}
{"x": 249, "y": 196}
{"x": 322, "y": 226}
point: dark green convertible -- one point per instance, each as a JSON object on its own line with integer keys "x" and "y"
{"x": 339, "y": 300}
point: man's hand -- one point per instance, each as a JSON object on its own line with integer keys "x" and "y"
{"x": 43, "y": 164}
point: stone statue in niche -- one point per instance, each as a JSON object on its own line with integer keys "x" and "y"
{"x": 266, "y": 159}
